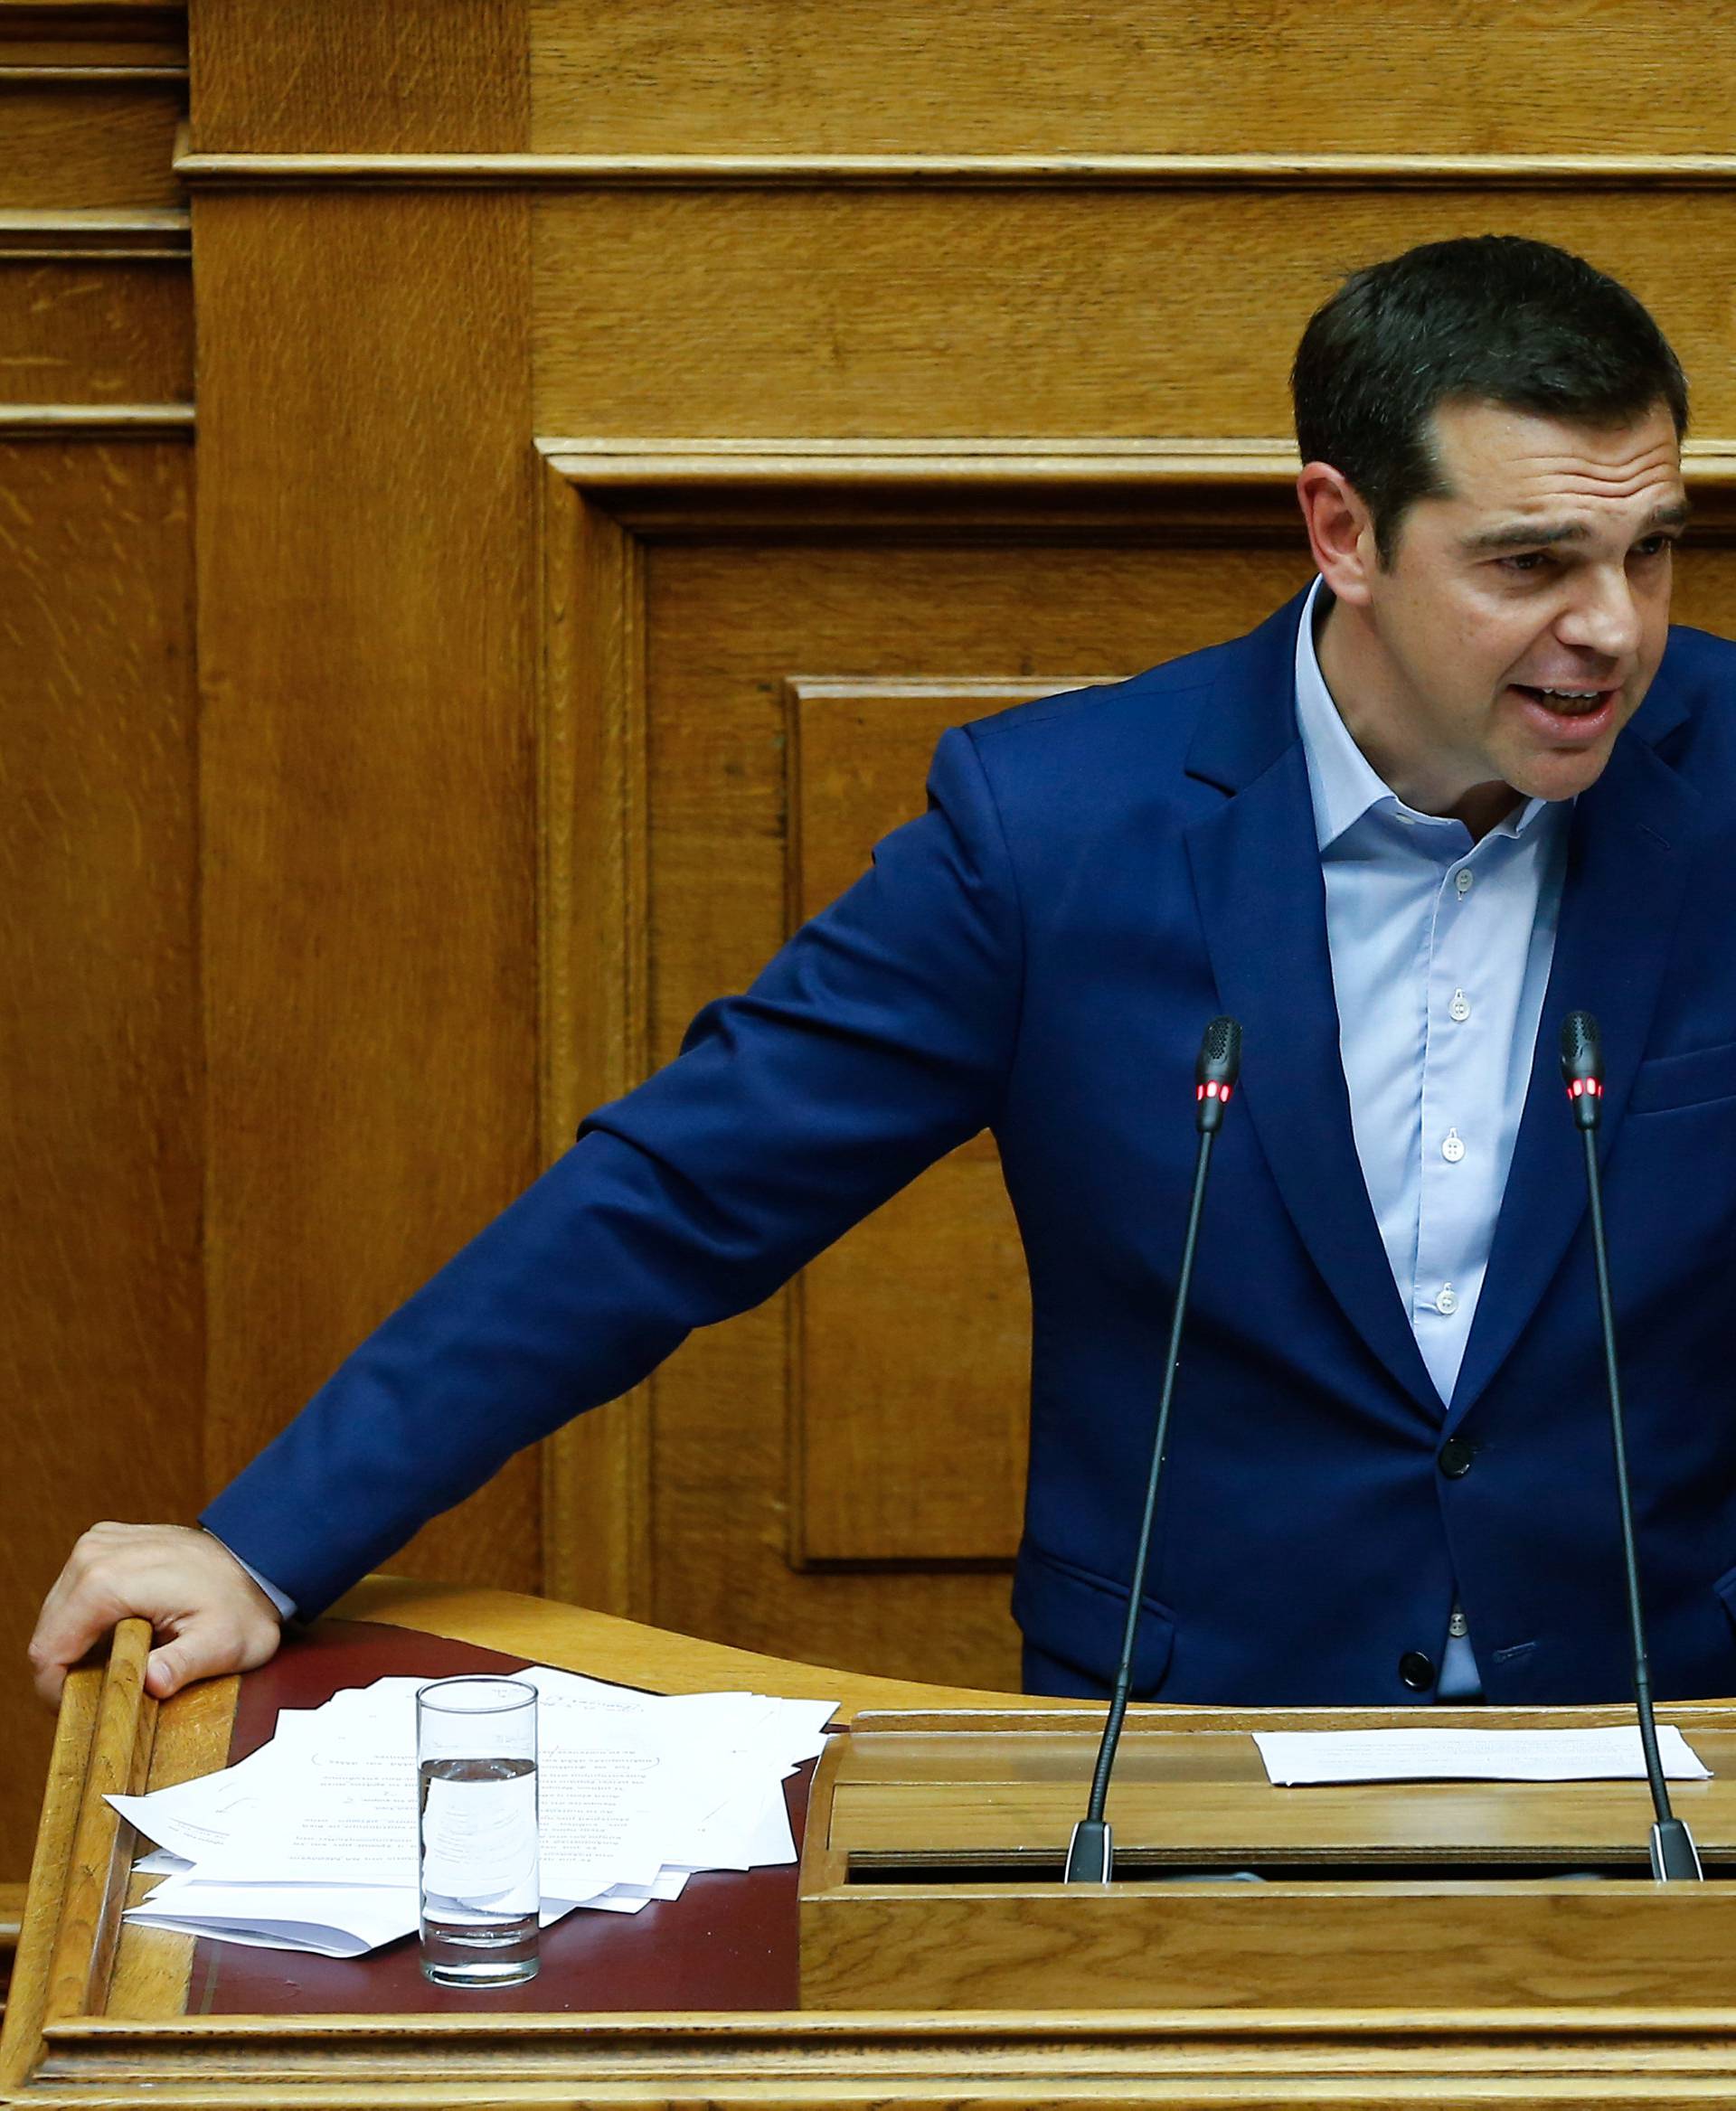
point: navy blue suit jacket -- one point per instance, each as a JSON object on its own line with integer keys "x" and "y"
{"x": 1096, "y": 875}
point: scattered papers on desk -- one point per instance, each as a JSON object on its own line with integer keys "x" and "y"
{"x": 309, "y": 1844}
{"x": 1299, "y": 1758}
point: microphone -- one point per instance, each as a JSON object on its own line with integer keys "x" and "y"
{"x": 1090, "y": 1855}
{"x": 1675, "y": 1857}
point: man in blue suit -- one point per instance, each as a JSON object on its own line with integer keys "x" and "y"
{"x": 1470, "y": 781}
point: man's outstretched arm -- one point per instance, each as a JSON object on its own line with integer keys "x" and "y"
{"x": 879, "y": 1038}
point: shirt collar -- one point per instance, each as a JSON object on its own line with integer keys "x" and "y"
{"x": 1343, "y": 782}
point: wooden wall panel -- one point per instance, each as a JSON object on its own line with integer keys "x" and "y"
{"x": 368, "y": 779}
{"x": 907, "y": 1400}
{"x": 1028, "y": 76}
{"x": 82, "y": 144}
{"x": 1024, "y": 311}
{"x": 310, "y": 77}
{"x": 94, "y": 332}
{"x": 99, "y": 1119}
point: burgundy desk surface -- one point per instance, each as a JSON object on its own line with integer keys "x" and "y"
{"x": 728, "y": 1942}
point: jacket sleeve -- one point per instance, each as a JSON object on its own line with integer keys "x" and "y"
{"x": 877, "y": 1039}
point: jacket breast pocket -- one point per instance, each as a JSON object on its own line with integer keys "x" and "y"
{"x": 1668, "y": 1083}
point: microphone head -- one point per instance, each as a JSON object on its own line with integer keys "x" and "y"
{"x": 1220, "y": 1060}
{"x": 1581, "y": 1047}
{"x": 1215, "y": 1073}
{"x": 1582, "y": 1067}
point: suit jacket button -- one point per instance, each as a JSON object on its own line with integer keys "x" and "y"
{"x": 1456, "y": 1457}
{"x": 1416, "y": 1670}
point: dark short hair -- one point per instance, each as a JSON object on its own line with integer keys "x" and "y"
{"x": 1493, "y": 318}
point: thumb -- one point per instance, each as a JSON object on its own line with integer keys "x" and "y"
{"x": 191, "y": 1655}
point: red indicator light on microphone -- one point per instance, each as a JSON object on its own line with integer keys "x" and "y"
{"x": 1212, "y": 1090}
{"x": 1579, "y": 1086}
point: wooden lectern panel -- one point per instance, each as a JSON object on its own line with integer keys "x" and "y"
{"x": 932, "y": 1873}
{"x": 1203, "y": 1996}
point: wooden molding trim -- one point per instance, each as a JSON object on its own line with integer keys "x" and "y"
{"x": 96, "y": 237}
{"x": 711, "y": 464}
{"x": 926, "y": 171}
{"x": 88, "y": 76}
{"x": 96, "y": 420}
{"x": 593, "y": 894}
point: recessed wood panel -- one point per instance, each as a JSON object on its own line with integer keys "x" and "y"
{"x": 72, "y": 147}
{"x": 908, "y": 1403}
{"x": 99, "y": 1119}
{"x": 1024, "y": 312}
{"x": 1046, "y": 76}
{"x": 97, "y": 333}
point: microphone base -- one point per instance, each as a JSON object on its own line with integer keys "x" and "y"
{"x": 1090, "y": 1853}
{"x": 1675, "y": 1857}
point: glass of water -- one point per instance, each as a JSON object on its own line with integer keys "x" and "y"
{"x": 475, "y": 1768}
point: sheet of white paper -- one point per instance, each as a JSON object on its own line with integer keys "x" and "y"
{"x": 337, "y": 1920}
{"x": 163, "y": 1862}
{"x": 1296, "y": 1758}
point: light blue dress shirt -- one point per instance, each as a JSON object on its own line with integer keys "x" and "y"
{"x": 1440, "y": 953}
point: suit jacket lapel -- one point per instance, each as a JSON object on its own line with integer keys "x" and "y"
{"x": 1628, "y": 863}
{"x": 1261, "y": 899}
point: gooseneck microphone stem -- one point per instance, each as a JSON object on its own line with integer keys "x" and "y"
{"x": 1123, "y": 1676}
{"x": 1090, "y": 1855}
{"x": 1631, "y": 1557}
{"x": 1674, "y": 1856}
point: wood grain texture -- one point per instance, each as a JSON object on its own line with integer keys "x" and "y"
{"x": 1049, "y": 77}
{"x": 403, "y": 77}
{"x": 1344, "y": 1915}
{"x": 88, "y": 145}
{"x": 99, "y": 1144}
{"x": 1019, "y": 312}
{"x": 108, "y": 333}
{"x": 51, "y": 1856}
{"x": 908, "y": 1402}
{"x": 100, "y": 1859}
{"x": 366, "y": 577}
{"x": 86, "y": 36}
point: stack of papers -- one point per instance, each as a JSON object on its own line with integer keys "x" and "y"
{"x": 310, "y": 1842}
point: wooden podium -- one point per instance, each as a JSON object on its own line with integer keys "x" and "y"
{"x": 1440, "y": 1944}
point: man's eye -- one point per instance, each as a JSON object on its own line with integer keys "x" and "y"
{"x": 1655, "y": 546}
{"x": 1531, "y": 560}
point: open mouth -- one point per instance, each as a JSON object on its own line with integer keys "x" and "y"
{"x": 1568, "y": 704}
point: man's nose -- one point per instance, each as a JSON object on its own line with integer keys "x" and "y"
{"x": 1604, "y": 618}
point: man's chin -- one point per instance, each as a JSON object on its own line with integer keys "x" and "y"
{"x": 1562, "y": 775}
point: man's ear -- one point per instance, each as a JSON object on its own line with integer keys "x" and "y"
{"x": 1341, "y": 531}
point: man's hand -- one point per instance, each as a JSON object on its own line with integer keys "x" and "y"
{"x": 209, "y": 1615}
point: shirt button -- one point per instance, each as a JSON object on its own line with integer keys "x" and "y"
{"x": 1460, "y": 1007}
{"x": 1458, "y": 1626}
{"x": 1452, "y": 1146}
{"x": 1463, "y": 881}
{"x": 1447, "y": 1300}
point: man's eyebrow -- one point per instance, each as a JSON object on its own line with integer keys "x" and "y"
{"x": 1535, "y": 534}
